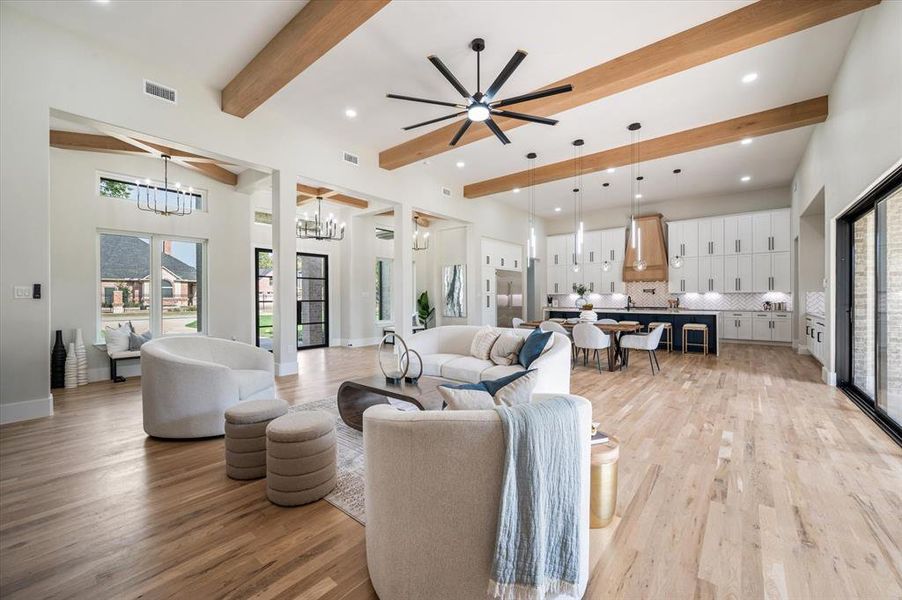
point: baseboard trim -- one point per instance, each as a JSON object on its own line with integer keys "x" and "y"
{"x": 124, "y": 369}
{"x": 26, "y": 410}
{"x": 828, "y": 377}
{"x": 286, "y": 368}
{"x": 803, "y": 350}
{"x": 363, "y": 341}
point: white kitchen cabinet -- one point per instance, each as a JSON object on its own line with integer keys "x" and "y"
{"x": 557, "y": 281}
{"x": 684, "y": 279}
{"x": 502, "y": 255}
{"x": 771, "y": 231}
{"x": 489, "y": 312}
{"x": 737, "y": 273}
{"x": 592, "y": 278}
{"x": 488, "y": 280}
{"x": 710, "y": 236}
{"x": 771, "y": 272}
{"x": 612, "y": 280}
{"x": 710, "y": 274}
{"x": 592, "y": 253}
{"x": 557, "y": 250}
{"x": 737, "y": 234}
{"x": 613, "y": 244}
{"x": 737, "y": 325}
{"x": 815, "y": 332}
{"x": 772, "y": 327}
{"x": 682, "y": 238}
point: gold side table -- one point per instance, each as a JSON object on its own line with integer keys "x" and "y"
{"x": 603, "y": 494}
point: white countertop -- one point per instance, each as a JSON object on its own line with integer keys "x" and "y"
{"x": 639, "y": 311}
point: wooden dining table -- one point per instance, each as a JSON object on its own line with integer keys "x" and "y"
{"x": 615, "y": 330}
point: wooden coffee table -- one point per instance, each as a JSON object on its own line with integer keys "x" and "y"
{"x": 357, "y": 395}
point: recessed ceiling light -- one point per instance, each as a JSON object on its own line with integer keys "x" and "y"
{"x": 749, "y": 77}
{"x": 611, "y": 169}
{"x": 461, "y": 164}
{"x": 638, "y": 196}
{"x": 516, "y": 190}
{"x": 745, "y": 178}
{"x": 557, "y": 209}
{"x": 102, "y": 1}
{"x": 746, "y": 141}
{"x": 350, "y": 113}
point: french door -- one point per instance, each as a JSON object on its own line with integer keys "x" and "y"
{"x": 312, "y": 293}
{"x": 869, "y": 303}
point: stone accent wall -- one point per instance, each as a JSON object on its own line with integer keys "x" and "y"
{"x": 894, "y": 306}
{"x": 863, "y": 303}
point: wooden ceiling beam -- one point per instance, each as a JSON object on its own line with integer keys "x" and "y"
{"x": 215, "y": 172}
{"x": 421, "y": 219}
{"x": 741, "y": 29}
{"x": 305, "y": 196}
{"x": 791, "y": 116}
{"x": 316, "y": 29}
{"x": 72, "y": 140}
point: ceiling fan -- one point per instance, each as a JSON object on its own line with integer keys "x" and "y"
{"x": 480, "y": 107}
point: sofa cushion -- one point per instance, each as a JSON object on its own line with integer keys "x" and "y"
{"x": 483, "y": 341}
{"x": 511, "y": 390}
{"x": 432, "y": 363}
{"x": 506, "y": 349}
{"x": 468, "y": 396}
{"x": 465, "y": 368}
{"x": 251, "y": 381}
{"x": 534, "y": 346}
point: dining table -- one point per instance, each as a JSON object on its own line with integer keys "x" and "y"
{"x": 615, "y": 330}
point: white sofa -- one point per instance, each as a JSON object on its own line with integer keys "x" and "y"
{"x": 188, "y": 382}
{"x": 433, "y": 485}
{"x": 446, "y": 353}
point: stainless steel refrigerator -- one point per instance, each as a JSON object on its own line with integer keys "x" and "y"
{"x": 508, "y": 297}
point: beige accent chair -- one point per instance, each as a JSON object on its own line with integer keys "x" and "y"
{"x": 188, "y": 382}
{"x": 433, "y": 486}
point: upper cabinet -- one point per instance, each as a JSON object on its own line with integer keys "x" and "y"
{"x": 592, "y": 252}
{"x": 502, "y": 255}
{"x": 682, "y": 238}
{"x": 557, "y": 250}
{"x": 710, "y": 236}
{"x": 737, "y": 234}
{"x": 613, "y": 244}
{"x": 771, "y": 231}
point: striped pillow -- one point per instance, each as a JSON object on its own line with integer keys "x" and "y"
{"x": 481, "y": 347}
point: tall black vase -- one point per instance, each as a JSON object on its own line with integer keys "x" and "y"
{"x": 58, "y": 362}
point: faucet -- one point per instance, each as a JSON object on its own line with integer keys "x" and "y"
{"x": 629, "y": 302}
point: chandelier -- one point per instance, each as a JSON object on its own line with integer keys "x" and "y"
{"x": 420, "y": 242}
{"x": 317, "y": 228}
{"x": 164, "y": 201}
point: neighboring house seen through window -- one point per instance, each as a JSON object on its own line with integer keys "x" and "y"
{"x": 112, "y": 187}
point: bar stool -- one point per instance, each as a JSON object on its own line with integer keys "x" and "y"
{"x": 695, "y": 327}
{"x": 668, "y": 332}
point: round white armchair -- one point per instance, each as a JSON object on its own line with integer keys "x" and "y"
{"x": 187, "y": 383}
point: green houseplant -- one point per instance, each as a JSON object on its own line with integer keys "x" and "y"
{"x": 424, "y": 312}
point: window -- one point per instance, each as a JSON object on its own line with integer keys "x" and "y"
{"x": 127, "y": 290}
{"x": 383, "y": 289}
{"x": 262, "y": 218}
{"x": 113, "y": 187}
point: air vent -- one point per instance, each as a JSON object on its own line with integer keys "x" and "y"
{"x": 351, "y": 159}
{"x": 159, "y": 91}
{"x": 446, "y": 192}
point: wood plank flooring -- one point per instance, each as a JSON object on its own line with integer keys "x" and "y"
{"x": 740, "y": 477}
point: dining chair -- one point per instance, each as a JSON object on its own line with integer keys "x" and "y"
{"x": 586, "y": 336}
{"x": 516, "y": 322}
{"x": 642, "y": 341}
{"x": 558, "y": 328}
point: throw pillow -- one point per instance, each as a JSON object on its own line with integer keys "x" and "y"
{"x": 481, "y": 346}
{"x": 116, "y": 339}
{"x": 511, "y": 390}
{"x": 534, "y": 346}
{"x": 506, "y": 349}
{"x": 135, "y": 341}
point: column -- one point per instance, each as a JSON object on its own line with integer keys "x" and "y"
{"x": 402, "y": 278}
{"x": 284, "y": 246}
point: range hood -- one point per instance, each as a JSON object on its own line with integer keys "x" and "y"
{"x": 654, "y": 250}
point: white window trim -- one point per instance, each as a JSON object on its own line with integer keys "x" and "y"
{"x": 155, "y": 182}
{"x": 156, "y": 266}
{"x": 389, "y": 321}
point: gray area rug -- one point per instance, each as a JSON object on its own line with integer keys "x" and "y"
{"x": 348, "y": 493}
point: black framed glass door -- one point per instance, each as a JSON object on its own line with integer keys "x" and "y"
{"x": 312, "y": 291}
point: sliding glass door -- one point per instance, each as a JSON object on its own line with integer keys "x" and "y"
{"x": 869, "y": 304}
{"x": 312, "y": 285}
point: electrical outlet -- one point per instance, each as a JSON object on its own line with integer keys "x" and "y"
{"x": 22, "y": 292}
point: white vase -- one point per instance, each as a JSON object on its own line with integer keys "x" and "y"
{"x": 71, "y": 379}
{"x": 81, "y": 358}
{"x": 588, "y": 315}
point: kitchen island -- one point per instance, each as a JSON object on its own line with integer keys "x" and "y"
{"x": 677, "y": 318}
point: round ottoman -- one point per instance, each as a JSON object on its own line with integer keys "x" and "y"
{"x": 603, "y": 484}
{"x": 300, "y": 457}
{"x": 245, "y": 436}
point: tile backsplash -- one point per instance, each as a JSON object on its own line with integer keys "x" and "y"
{"x": 656, "y": 293}
{"x": 815, "y": 303}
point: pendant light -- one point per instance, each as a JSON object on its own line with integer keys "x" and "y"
{"x": 636, "y": 190}
{"x": 531, "y": 232}
{"x": 676, "y": 261}
{"x": 577, "y": 204}
{"x": 605, "y": 264}
{"x": 420, "y": 242}
{"x": 159, "y": 202}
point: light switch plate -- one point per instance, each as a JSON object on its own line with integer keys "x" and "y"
{"x": 22, "y": 292}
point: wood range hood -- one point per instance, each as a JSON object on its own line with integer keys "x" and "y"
{"x": 653, "y": 247}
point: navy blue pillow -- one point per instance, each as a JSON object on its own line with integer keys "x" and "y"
{"x": 490, "y": 386}
{"x": 533, "y": 346}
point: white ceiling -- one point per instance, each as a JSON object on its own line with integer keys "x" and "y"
{"x": 388, "y": 54}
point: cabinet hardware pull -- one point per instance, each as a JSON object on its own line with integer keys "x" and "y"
{"x": 487, "y": 283}
{"x": 515, "y": 263}
{"x": 818, "y": 336}
{"x": 502, "y": 262}
{"x": 487, "y": 301}
{"x": 488, "y": 260}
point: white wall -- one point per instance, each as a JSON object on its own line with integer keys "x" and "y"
{"x": 77, "y": 212}
{"x": 862, "y": 137}
{"x": 45, "y": 67}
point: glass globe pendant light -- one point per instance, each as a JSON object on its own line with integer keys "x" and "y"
{"x": 636, "y": 183}
{"x": 605, "y": 264}
{"x": 677, "y": 261}
{"x": 577, "y": 205}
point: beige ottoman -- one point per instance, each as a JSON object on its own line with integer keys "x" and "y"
{"x": 300, "y": 457}
{"x": 245, "y": 436}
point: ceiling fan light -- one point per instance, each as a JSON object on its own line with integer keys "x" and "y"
{"x": 478, "y": 112}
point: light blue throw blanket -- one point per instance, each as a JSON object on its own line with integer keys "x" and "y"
{"x": 538, "y": 540}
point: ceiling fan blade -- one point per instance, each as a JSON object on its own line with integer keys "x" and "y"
{"x": 505, "y": 73}
{"x": 424, "y": 100}
{"x": 435, "y": 60}
{"x": 460, "y": 132}
{"x": 522, "y": 117}
{"x": 496, "y": 130}
{"x": 431, "y": 121}
{"x": 533, "y": 95}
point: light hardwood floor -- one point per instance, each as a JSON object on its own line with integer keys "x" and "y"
{"x": 740, "y": 476}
